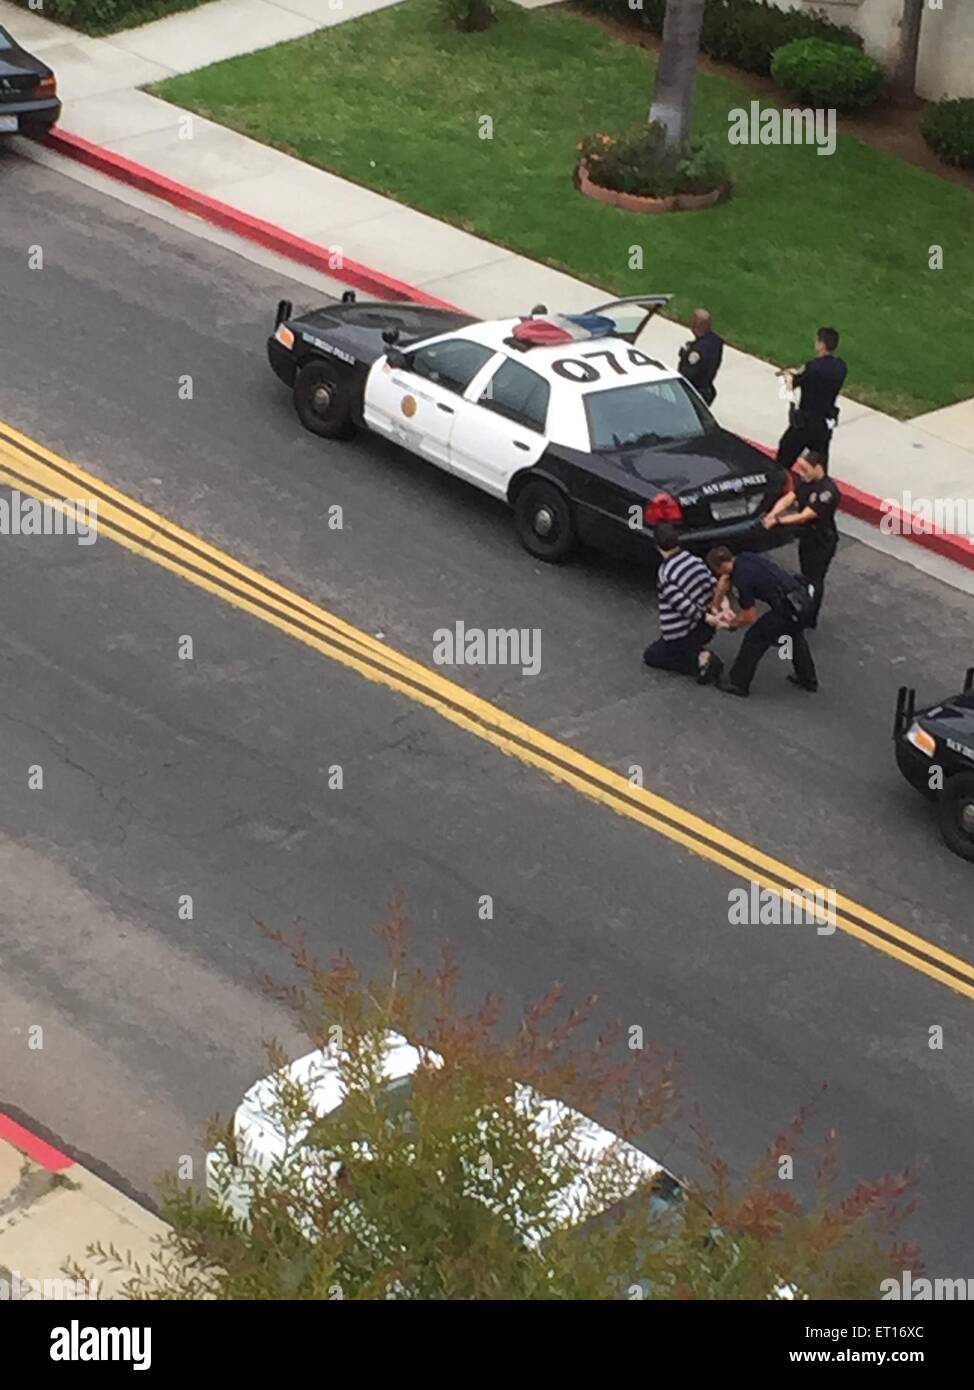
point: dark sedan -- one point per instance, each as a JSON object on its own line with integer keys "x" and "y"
{"x": 29, "y": 102}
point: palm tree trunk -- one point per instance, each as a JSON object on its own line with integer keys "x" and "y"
{"x": 673, "y": 98}
{"x": 904, "y": 76}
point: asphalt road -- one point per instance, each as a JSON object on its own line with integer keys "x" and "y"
{"x": 165, "y": 777}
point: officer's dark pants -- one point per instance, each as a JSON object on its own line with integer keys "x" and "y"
{"x": 806, "y": 432}
{"x": 814, "y": 557}
{"x": 679, "y": 653}
{"x": 764, "y": 634}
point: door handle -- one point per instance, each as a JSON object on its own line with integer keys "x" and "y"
{"x": 447, "y": 409}
{"x": 519, "y": 444}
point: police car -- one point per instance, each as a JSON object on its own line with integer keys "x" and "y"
{"x": 587, "y": 437}
{"x": 935, "y": 753}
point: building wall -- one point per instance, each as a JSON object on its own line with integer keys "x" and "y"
{"x": 946, "y": 62}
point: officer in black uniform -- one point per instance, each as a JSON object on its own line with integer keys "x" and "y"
{"x": 757, "y": 579}
{"x": 811, "y": 506}
{"x": 701, "y": 357}
{"x": 812, "y": 420}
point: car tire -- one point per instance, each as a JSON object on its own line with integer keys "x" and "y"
{"x": 323, "y": 402}
{"x": 955, "y": 809}
{"x": 544, "y": 522}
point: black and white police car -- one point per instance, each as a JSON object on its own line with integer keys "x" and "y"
{"x": 935, "y": 753}
{"x": 586, "y": 436}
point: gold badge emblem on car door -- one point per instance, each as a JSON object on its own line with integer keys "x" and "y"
{"x": 408, "y": 406}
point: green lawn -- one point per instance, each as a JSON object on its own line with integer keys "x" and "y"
{"x": 394, "y": 100}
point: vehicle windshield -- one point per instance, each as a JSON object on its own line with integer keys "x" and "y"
{"x": 5, "y": 40}
{"x": 652, "y": 412}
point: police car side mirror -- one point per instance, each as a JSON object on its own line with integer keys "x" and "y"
{"x": 395, "y": 357}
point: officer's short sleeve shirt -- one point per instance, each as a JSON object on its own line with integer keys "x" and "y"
{"x": 823, "y": 496}
{"x": 820, "y": 382}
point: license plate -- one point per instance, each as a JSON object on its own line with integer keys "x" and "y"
{"x": 728, "y": 511}
{"x": 8, "y": 123}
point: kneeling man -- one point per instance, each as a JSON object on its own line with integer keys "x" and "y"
{"x": 685, "y": 590}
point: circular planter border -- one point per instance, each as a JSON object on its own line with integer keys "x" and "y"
{"x": 637, "y": 202}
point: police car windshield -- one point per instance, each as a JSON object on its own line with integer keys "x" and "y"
{"x": 5, "y": 39}
{"x": 652, "y": 412}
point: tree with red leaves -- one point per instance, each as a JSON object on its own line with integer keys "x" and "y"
{"x": 476, "y": 1181}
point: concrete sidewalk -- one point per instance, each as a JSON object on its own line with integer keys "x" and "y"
{"x": 51, "y": 1210}
{"x": 878, "y": 457}
{"x": 178, "y": 43}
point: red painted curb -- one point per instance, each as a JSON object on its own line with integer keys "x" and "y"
{"x": 284, "y": 243}
{"x": 867, "y": 507}
{"x": 38, "y": 1149}
{"x": 855, "y": 501}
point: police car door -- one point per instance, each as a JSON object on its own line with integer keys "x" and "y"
{"x": 415, "y": 403}
{"x": 500, "y": 425}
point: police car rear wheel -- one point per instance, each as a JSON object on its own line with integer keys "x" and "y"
{"x": 544, "y": 522}
{"x": 322, "y": 402}
{"x": 956, "y": 808}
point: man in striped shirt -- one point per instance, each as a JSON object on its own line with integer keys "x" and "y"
{"x": 685, "y": 589}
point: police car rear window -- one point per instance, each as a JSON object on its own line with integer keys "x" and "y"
{"x": 452, "y": 363}
{"x": 519, "y": 394}
{"x": 648, "y": 413}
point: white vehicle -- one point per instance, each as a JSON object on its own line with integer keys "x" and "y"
{"x": 261, "y": 1141}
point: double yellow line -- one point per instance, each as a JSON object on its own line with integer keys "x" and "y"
{"x": 36, "y": 471}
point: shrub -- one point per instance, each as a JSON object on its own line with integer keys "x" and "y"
{"x": 469, "y": 16}
{"x": 828, "y": 74}
{"x": 637, "y": 162}
{"x": 703, "y": 168}
{"x": 744, "y": 33}
{"x": 109, "y": 16}
{"x": 948, "y": 128}
{"x": 455, "y": 1187}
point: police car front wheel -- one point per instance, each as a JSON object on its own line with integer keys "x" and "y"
{"x": 544, "y": 522}
{"x": 322, "y": 402}
{"x": 956, "y": 808}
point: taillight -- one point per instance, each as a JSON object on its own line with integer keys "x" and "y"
{"x": 47, "y": 86}
{"x": 663, "y": 507}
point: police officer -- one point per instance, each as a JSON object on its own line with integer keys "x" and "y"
{"x": 757, "y": 579}
{"x": 811, "y": 506}
{"x": 701, "y": 357}
{"x": 812, "y": 420}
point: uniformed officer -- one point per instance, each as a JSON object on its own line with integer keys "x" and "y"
{"x": 811, "y": 506}
{"x": 812, "y": 420}
{"x": 756, "y": 579}
{"x": 701, "y": 357}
